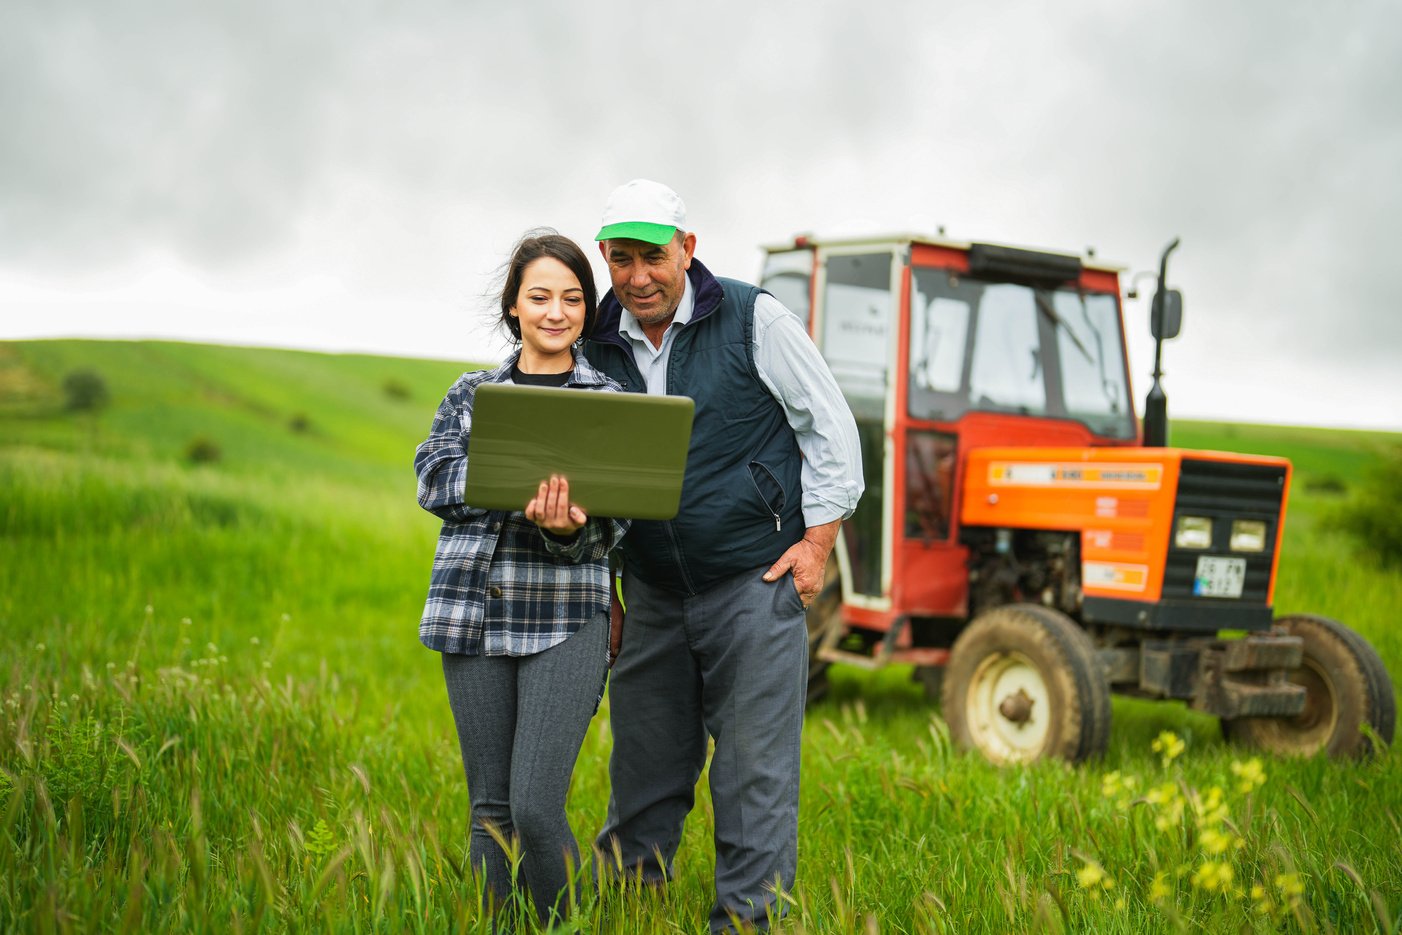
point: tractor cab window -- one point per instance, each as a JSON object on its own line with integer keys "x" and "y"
{"x": 1092, "y": 369}
{"x": 938, "y": 339}
{"x": 786, "y": 276}
{"x": 1010, "y": 347}
{"x": 1006, "y": 373}
{"x": 858, "y": 308}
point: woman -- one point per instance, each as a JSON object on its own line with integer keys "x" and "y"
{"x": 518, "y": 601}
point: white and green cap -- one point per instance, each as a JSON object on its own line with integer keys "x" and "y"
{"x": 643, "y": 210}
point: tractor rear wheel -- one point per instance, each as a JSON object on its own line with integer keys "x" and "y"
{"x": 824, "y": 616}
{"x": 1024, "y": 683}
{"x": 1346, "y": 687}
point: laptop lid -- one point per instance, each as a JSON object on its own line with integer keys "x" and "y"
{"x": 624, "y": 454}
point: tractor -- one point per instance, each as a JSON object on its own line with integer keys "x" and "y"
{"x": 1023, "y": 541}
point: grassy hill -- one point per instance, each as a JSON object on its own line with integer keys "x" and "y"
{"x": 216, "y": 714}
{"x": 308, "y": 511}
{"x": 286, "y": 412}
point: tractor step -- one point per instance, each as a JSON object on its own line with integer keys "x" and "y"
{"x": 911, "y": 655}
{"x": 1233, "y": 699}
{"x": 860, "y": 660}
{"x": 1247, "y": 677}
{"x": 1244, "y": 677}
{"x": 1263, "y": 651}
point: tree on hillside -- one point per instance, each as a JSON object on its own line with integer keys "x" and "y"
{"x": 85, "y": 390}
{"x": 1371, "y": 517}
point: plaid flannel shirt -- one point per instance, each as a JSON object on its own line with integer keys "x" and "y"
{"x": 500, "y": 585}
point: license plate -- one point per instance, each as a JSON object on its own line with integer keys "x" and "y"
{"x": 1219, "y": 577}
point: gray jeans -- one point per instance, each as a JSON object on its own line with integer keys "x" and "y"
{"x": 521, "y": 721}
{"x": 729, "y": 663}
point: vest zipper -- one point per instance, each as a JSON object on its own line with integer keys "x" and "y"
{"x": 681, "y": 559}
{"x": 778, "y": 523}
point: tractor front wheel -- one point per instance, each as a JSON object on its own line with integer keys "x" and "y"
{"x": 1023, "y": 683}
{"x": 1346, "y": 688}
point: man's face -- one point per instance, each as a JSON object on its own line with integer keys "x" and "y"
{"x": 649, "y": 279}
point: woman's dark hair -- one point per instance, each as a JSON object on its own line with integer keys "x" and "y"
{"x": 545, "y": 242}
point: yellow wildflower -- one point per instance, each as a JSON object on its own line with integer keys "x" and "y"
{"x": 1291, "y": 888}
{"x": 1212, "y": 809}
{"x": 1250, "y": 776}
{"x": 1169, "y": 805}
{"x": 1261, "y": 902}
{"x": 1161, "y": 795}
{"x": 1215, "y": 841}
{"x": 1119, "y": 787}
{"x": 1091, "y": 874}
{"x": 1168, "y": 745}
{"x": 1213, "y": 875}
{"x": 1158, "y": 890}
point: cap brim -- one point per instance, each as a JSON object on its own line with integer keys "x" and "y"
{"x": 637, "y": 230}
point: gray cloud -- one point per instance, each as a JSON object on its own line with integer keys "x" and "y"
{"x": 403, "y": 145}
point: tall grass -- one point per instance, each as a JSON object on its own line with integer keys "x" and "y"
{"x": 215, "y": 714}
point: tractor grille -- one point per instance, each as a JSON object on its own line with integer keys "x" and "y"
{"x": 1225, "y": 491}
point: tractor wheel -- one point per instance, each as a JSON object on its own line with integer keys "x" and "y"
{"x": 824, "y": 615}
{"x": 1346, "y": 687}
{"x": 1023, "y": 683}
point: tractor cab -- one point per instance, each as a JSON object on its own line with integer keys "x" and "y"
{"x": 940, "y": 347}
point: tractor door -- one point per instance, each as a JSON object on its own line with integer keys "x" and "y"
{"x": 858, "y": 294}
{"x": 850, "y": 311}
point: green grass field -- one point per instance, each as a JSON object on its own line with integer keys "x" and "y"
{"x": 215, "y": 715}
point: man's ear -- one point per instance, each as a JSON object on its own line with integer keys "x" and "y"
{"x": 604, "y": 249}
{"x": 688, "y": 248}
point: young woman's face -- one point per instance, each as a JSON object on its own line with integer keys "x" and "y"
{"x": 550, "y": 308}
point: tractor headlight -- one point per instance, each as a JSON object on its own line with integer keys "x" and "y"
{"x": 1193, "y": 532}
{"x": 1248, "y": 535}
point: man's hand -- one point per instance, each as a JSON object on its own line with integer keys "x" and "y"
{"x": 807, "y": 559}
{"x": 551, "y": 510}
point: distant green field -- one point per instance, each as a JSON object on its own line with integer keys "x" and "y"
{"x": 215, "y": 714}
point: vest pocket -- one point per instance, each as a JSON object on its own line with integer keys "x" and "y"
{"x": 771, "y": 492}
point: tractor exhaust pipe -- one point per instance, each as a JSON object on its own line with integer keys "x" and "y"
{"x": 1165, "y": 318}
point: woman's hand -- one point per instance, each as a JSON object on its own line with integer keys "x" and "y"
{"x": 551, "y": 510}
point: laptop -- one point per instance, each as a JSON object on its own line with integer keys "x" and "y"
{"x": 624, "y": 454}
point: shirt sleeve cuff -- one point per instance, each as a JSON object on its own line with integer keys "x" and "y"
{"x": 820, "y": 514}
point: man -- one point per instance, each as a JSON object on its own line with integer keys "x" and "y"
{"x": 715, "y": 643}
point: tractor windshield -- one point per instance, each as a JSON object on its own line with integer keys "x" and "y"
{"x": 1009, "y": 347}
{"x": 786, "y": 275}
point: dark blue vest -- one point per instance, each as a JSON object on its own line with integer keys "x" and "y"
{"x": 742, "y": 499}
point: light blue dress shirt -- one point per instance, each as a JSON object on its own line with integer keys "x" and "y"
{"x": 798, "y": 378}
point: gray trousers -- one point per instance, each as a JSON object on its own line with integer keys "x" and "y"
{"x": 729, "y": 663}
{"x": 521, "y": 721}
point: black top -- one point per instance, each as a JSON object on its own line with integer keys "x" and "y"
{"x": 539, "y": 379}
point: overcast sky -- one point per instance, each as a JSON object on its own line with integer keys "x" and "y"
{"x": 348, "y": 175}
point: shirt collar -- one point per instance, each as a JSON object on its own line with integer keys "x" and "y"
{"x": 585, "y": 373}
{"x": 628, "y": 323}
